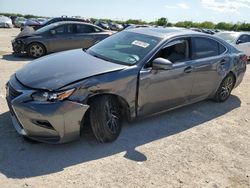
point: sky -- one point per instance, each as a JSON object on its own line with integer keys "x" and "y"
{"x": 148, "y": 10}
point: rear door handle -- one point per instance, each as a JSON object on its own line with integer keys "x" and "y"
{"x": 189, "y": 69}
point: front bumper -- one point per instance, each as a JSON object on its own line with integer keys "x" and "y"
{"x": 57, "y": 122}
{"x": 18, "y": 48}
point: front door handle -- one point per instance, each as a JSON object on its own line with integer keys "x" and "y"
{"x": 189, "y": 69}
{"x": 223, "y": 62}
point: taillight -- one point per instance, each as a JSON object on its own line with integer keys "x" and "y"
{"x": 244, "y": 58}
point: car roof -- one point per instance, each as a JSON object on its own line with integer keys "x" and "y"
{"x": 164, "y": 32}
{"x": 73, "y": 22}
{"x": 236, "y": 32}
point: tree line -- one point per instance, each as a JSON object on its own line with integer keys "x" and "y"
{"x": 164, "y": 22}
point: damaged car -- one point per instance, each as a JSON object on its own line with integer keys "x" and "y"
{"x": 57, "y": 37}
{"x": 132, "y": 74}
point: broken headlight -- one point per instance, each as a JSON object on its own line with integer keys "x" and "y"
{"x": 52, "y": 96}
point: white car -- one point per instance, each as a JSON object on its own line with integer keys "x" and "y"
{"x": 241, "y": 40}
{"x": 5, "y": 22}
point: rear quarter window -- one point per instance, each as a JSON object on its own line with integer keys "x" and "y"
{"x": 205, "y": 47}
{"x": 84, "y": 29}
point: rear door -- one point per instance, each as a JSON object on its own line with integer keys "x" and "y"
{"x": 85, "y": 36}
{"x": 210, "y": 62}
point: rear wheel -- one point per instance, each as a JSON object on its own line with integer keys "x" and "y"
{"x": 36, "y": 50}
{"x": 225, "y": 88}
{"x": 105, "y": 118}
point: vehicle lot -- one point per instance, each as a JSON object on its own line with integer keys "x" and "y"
{"x": 202, "y": 145}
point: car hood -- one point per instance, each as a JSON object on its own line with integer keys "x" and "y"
{"x": 26, "y": 32}
{"x": 55, "y": 71}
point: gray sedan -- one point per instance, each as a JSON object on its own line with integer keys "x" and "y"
{"x": 132, "y": 74}
{"x": 57, "y": 37}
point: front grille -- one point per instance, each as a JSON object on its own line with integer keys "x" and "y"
{"x": 12, "y": 92}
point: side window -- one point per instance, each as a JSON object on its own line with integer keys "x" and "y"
{"x": 64, "y": 29}
{"x": 205, "y": 47}
{"x": 84, "y": 29}
{"x": 97, "y": 29}
{"x": 244, "y": 38}
{"x": 176, "y": 51}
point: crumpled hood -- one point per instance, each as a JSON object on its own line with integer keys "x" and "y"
{"x": 26, "y": 32}
{"x": 57, "y": 70}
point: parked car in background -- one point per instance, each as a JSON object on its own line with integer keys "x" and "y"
{"x": 32, "y": 22}
{"x": 57, "y": 37}
{"x": 102, "y": 24}
{"x": 115, "y": 27}
{"x": 208, "y": 31}
{"x": 240, "y": 40}
{"x": 56, "y": 19}
{"x": 196, "y": 29}
{"x": 60, "y": 19}
{"x": 5, "y": 22}
{"x": 19, "y": 21}
{"x": 41, "y": 20}
{"x": 132, "y": 74}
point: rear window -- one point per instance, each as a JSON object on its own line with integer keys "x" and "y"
{"x": 205, "y": 47}
{"x": 84, "y": 29}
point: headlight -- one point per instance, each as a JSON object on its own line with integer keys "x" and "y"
{"x": 52, "y": 97}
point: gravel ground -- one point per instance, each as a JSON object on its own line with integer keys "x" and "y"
{"x": 201, "y": 145}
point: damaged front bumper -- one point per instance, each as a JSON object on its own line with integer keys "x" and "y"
{"x": 56, "y": 122}
{"x": 18, "y": 47}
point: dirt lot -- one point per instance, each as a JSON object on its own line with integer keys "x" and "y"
{"x": 202, "y": 145}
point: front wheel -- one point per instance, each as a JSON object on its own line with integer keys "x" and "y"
{"x": 105, "y": 118}
{"x": 225, "y": 89}
{"x": 36, "y": 50}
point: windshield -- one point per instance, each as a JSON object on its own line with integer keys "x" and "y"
{"x": 46, "y": 28}
{"x": 229, "y": 37}
{"x": 125, "y": 47}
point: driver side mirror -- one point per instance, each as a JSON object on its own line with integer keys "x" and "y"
{"x": 52, "y": 32}
{"x": 162, "y": 64}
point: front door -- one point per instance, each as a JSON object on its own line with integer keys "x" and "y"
{"x": 161, "y": 90}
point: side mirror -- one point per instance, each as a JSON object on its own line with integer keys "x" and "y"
{"x": 239, "y": 42}
{"x": 162, "y": 64}
{"x": 52, "y": 32}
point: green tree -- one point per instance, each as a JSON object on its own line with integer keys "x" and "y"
{"x": 162, "y": 21}
{"x": 138, "y": 22}
{"x": 207, "y": 25}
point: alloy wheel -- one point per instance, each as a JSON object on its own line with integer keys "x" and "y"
{"x": 226, "y": 87}
{"x": 36, "y": 50}
{"x": 112, "y": 117}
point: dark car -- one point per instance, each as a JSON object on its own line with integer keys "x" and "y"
{"x": 57, "y": 37}
{"x": 37, "y": 25}
{"x": 115, "y": 27}
{"x": 132, "y": 74}
{"x": 102, "y": 24}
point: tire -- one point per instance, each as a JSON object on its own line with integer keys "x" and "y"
{"x": 36, "y": 50}
{"x": 105, "y": 118}
{"x": 225, "y": 89}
